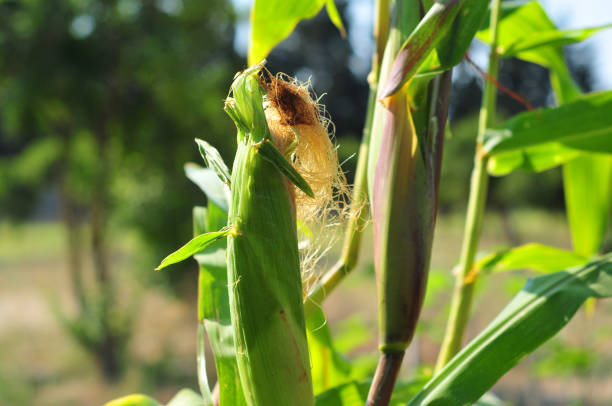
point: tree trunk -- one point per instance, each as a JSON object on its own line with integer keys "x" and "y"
{"x": 74, "y": 246}
{"x": 108, "y": 351}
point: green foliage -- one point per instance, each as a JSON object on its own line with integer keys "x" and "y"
{"x": 269, "y": 152}
{"x": 588, "y": 195}
{"x": 214, "y": 311}
{"x": 541, "y": 258}
{"x": 430, "y": 31}
{"x": 355, "y": 393}
{"x": 523, "y": 141}
{"x": 539, "y": 311}
{"x": 187, "y": 397}
{"x": 208, "y": 181}
{"x": 559, "y": 359}
{"x": 194, "y": 246}
{"x": 273, "y": 20}
{"x": 213, "y": 160}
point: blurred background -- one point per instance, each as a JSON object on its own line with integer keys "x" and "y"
{"x": 100, "y": 101}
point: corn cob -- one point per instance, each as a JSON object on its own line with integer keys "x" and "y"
{"x": 265, "y": 287}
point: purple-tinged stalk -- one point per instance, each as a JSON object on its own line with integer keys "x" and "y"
{"x": 404, "y": 209}
{"x": 403, "y": 175}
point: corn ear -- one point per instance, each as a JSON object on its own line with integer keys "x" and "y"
{"x": 265, "y": 287}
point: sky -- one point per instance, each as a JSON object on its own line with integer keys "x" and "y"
{"x": 564, "y": 13}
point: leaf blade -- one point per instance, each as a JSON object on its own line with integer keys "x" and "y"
{"x": 194, "y": 246}
{"x": 540, "y": 310}
{"x": 273, "y": 20}
{"x": 584, "y": 124}
{"x": 539, "y": 257}
{"x": 271, "y": 154}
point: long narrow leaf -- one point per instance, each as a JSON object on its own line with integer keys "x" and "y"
{"x": 208, "y": 181}
{"x": 329, "y": 368}
{"x": 519, "y": 23}
{"x": 584, "y": 124}
{"x": 214, "y": 309}
{"x": 273, "y": 20}
{"x": 194, "y": 246}
{"x": 588, "y": 193}
{"x": 269, "y": 152}
{"x": 541, "y": 258}
{"x": 133, "y": 400}
{"x": 452, "y": 47}
{"x": 187, "y": 397}
{"x": 425, "y": 37}
{"x": 538, "y": 312}
{"x": 213, "y": 160}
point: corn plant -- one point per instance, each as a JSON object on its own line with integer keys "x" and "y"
{"x": 263, "y": 317}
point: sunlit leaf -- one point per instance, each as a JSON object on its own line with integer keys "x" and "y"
{"x": 273, "y": 20}
{"x": 588, "y": 194}
{"x": 213, "y": 308}
{"x": 452, "y": 47}
{"x": 208, "y": 181}
{"x": 187, "y": 397}
{"x": 355, "y": 393}
{"x": 544, "y": 306}
{"x": 584, "y": 124}
{"x": 519, "y": 23}
{"x": 421, "y": 42}
{"x": 541, "y": 258}
{"x": 192, "y": 247}
{"x": 334, "y": 16}
{"x": 526, "y": 32}
{"x": 535, "y": 159}
{"x": 329, "y": 368}
{"x": 134, "y": 400}
{"x": 273, "y": 155}
{"x": 213, "y": 160}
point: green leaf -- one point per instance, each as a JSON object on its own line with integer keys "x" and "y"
{"x": 134, "y": 400}
{"x": 329, "y": 368}
{"x": 452, "y": 47}
{"x": 425, "y": 37}
{"x": 588, "y": 194}
{"x": 541, "y": 258}
{"x": 213, "y": 309}
{"x": 355, "y": 393}
{"x": 206, "y": 179}
{"x": 527, "y": 33}
{"x": 518, "y": 25}
{"x": 187, "y": 397}
{"x": 213, "y": 160}
{"x": 269, "y": 152}
{"x": 584, "y": 124}
{"x": 537, "y": 158}
{"x": 552, "y": 37}
{"x": 544, "y": 306}
{"x": 273, "y": 20}
{"x": 192, "y": 247}
{"x": 348, "y": 394}
{"x": 334, "y": 16}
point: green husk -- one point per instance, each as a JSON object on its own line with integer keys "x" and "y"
{"x": 265, "y": 286}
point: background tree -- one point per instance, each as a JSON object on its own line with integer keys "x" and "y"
{"x": 101, "y": 102}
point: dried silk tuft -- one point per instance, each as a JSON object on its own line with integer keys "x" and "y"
{"x": 301, "y": 131}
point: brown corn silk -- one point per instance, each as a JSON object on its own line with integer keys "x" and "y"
{"x": 301, "y": 131}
